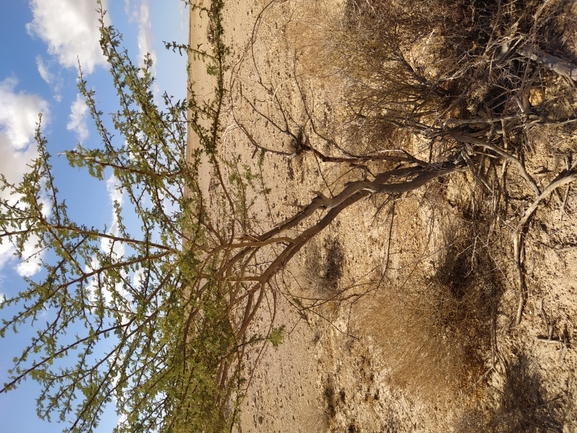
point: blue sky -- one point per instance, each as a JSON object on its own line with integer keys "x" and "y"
{"x": 42, "y": 42}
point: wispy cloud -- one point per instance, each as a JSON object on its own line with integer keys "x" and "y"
{"x": 127, "y": 7}
{"x": 71, "y": 30}
{"x": 144, "y": 34}
{"x": 140, "y": 14}
{"x": 43, "y": 70}
{"x": 78, "y": 113}
{"x": 51, "y": 79}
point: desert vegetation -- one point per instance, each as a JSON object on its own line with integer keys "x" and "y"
{"x": 452, "y": 122}
{"x": 454, "y": 98}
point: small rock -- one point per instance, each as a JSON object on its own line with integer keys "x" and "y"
{"x": 536, "y": 96}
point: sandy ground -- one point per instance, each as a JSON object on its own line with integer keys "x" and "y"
{"x": 285, "y": 390}
{"x": 330, "y": 373}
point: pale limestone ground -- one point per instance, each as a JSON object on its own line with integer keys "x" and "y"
{"x": 330, "y": 374}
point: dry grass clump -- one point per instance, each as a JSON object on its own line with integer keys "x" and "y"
{"x": 435, "y": 331}
{"x": 324, "y": 266}
{"x": 380, "y": 52}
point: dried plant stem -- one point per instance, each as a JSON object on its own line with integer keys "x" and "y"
{"x": 482, "y": 143}
{"x": 517, "y": 236}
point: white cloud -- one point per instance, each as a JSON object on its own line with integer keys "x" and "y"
{"x": 6, "y": 253}
{"x": 43, "y": 70}
{"x": 13, "y": 161}
{"x": 116, "y": 250}
{"x": 141, "y": 15}
{"x": 77, "y": 123}
{"x": 31, "y": 261}
{"x": 114, "y": 190}
{"x": 32, "y": 258}
{"x": 92, "y": 287}
{"x": 31, "y": 254}
{"x": 139, "y": 278}
{"x": 71, "y": 30}
{"x": 18, "y": 121}
{"x": 19, "y": 115}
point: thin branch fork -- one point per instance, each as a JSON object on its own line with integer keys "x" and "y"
{"x": 414, "y": 178}
{"x": 486, "y": 145}
{"x": 352, "y": 193}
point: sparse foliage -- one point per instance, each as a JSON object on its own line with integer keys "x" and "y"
{"x": 138, "y": 316}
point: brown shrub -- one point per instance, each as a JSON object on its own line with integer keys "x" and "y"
{"x": 435, "y": 330}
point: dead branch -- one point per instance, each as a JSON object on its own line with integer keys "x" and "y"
{"x": 352, "y": 193}
{"x": 483, "y": 143}
{"x": 556, "y": 64}
{"x": 517, "y": 236}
